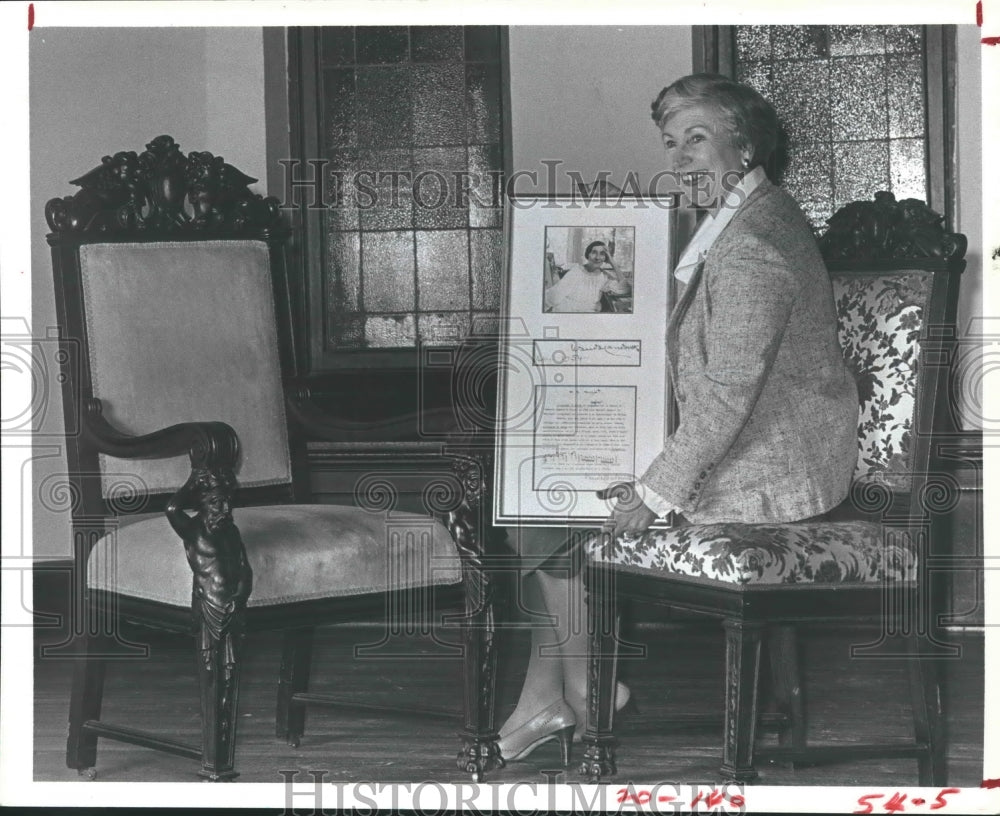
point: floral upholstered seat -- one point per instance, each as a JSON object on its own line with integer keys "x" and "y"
{"x": 826, "y": 553}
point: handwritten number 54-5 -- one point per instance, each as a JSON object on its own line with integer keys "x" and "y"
{"x": 896, "y": 803}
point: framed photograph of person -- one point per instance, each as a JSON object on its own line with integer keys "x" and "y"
{"x": 583, "y": 393}
{"x": 588, "y": 269}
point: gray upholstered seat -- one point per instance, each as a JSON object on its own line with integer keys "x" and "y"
{"x": 298, "y": 552}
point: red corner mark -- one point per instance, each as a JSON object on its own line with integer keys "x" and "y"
{"x": 31, "y": 16}
{"x": 990, "y": 783}
{"x": 979, "y": 22}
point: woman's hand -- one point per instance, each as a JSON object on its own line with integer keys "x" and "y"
{"x": 630, "y": 517}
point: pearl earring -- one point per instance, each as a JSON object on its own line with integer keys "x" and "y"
{"x": 746, "y": 162}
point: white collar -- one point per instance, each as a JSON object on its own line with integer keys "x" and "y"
{"x": 712, "y": 225}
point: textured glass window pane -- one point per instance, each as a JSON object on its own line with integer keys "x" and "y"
{"x": 347, "y": 330}
{"x": 443, "y": 270}
{"x": 396, "y": 331}
{"x": 907, "y": 164}
{"x": 384, "y": 108}
{"x": 437, "y": 43}
{"x": 753, "y": 43}
{"x": 757, "y": 75}
{"x": 435, "y": 187}
{"x": 338, "y": 45}
{"x": 439, "y": 104}
{"x": 840, "y": 113}
{"x": 382, "y": 44}
{"x": 483, "y": 114}
{"x": 485, "y": 187}
{"x": 385, "y": 189}
{"x": 487, "y": 268}
{"x": 482, "y": 44}
{"x": 906, "y": 95}
{"x": 856, "y": 39}
{"x": 340, "y": 130}
{"x": 904, "y": 39}
{"x": 809, "y": 180}
{"x": 486, "y": 323}
{"x": 448, "y": 329}
{"x": 343, "y": 271}
{"x": 801, "y": 97}
{"x": 860, "y": 170}
{"x": 387, "y": 266}
{"x": 800, "y": 42}
{"x": 857, "y": 98}
{"x": 399, "y": 107}
{"x": 341, "y": 194}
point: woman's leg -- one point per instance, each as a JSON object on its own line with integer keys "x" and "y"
{"x": 543, "y": 682}
{"x": 557, "y": 665}
{"x": 564, "y": 597}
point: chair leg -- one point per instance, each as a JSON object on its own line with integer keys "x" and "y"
{"x": 786, "y": 681}
{"x": 480, "y": 752}
{"x": 85, "y": 704}
{"x": 293, "y": 678}
{"x": 928, "y": 724}
{"x": 602, "y": 627}
{"x": 742, "y": 682}
{"x": 219, "y": 679}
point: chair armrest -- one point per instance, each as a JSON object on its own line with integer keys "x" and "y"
{"x": 208, "y": 444}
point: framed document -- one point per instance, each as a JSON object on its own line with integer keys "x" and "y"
{"x": 583, "y": 381}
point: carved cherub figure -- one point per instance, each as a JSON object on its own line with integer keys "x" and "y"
{"x": 222, "y": 575}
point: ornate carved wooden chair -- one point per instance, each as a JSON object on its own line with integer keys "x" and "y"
{"x": 895, "y": 274}
{"x": 181, "y": 374}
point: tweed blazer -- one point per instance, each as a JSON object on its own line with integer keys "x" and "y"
{"x": 768, "y": 409}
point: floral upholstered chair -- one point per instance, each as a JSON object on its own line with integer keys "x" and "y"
{"x": 896, "y": 292}
{"x": 192, "y": 507}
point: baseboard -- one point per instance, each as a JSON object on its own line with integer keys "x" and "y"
{"x": 53, "y": 586}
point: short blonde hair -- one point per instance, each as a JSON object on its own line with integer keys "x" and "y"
{"x": 750, "y": 119}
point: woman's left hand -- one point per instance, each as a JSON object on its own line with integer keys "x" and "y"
{"x": 630, "y": 517}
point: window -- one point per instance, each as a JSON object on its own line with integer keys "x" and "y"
{"x": 864, "y": 107}
{"x": 407, "y": 247}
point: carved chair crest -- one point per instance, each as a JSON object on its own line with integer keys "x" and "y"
{"x": 886, "y": 228}
{"x": 162, "y": 189}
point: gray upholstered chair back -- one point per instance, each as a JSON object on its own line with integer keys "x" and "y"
{"x": 167, "y": 326}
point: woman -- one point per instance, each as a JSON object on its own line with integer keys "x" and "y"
{"x": 580, "y": 289}
{"x": 768, "y": 411}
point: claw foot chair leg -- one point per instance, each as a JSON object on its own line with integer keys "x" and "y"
{"x": 742, "y": 679}
{"x": 293, "y": 678}
{"x": 480, "y": 753}
{"x": 219, "y": 675}
{"x": 603, "y": 623}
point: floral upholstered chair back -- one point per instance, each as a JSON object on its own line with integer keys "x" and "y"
{"x": 880, "y": 318}
{"x": 894, "y": 271}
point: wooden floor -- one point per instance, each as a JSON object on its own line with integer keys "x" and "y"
{"x": 681, "y": 671}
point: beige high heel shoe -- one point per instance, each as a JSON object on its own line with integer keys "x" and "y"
{"x": 556, "y": 722}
